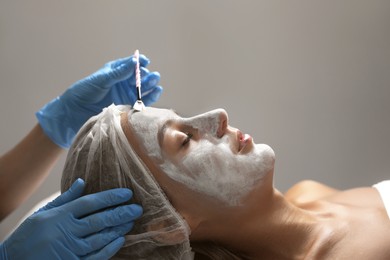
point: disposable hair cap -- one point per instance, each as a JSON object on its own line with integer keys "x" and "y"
{"x": 102, "y": 156}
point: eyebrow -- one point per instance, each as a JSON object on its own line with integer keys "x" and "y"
{"x": 161, "y": 132}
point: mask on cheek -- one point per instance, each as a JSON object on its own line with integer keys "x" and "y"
{"x": 213, "y": 169}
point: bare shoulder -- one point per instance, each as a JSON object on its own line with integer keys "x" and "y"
{"x": 359, "y": 218}
{"x": 309, "y": 190}
{"x": 360, "y": 197}
{"x": 357, "y": 215}
{"x": 366, "y": 222}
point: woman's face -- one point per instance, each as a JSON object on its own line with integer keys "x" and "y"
{"x": 203, "y": 152}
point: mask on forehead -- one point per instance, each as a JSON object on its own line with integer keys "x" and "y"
{"x": 210, "y": 167}
{"x": 147, "y": 124}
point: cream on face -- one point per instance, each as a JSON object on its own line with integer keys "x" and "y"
{"x": 210, "y": 164}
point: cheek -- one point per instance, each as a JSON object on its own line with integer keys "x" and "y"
{"x": 200, "y": 163}
{"x": 213, "y": 170}
{"x": 204, "y": 160}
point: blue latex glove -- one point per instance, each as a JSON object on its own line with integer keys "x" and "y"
{"x": 62, "y": 118}
{"x": 63, "y": 229}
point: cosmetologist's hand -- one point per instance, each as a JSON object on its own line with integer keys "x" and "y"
{"x": 113, "y": 83}
{"x": 68, "y": 228}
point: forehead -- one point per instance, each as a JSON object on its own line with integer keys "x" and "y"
{"x": 148, "y": 126}
{"x": 151, "y": 114}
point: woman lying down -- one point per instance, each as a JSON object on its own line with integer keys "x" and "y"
{"x": 207, "y": 188}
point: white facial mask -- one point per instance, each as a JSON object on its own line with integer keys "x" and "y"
{"x": 211, "y": 167}
{"x": 147, "y": 124}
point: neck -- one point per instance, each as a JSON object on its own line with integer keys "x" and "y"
{"x": 272, "y": 229}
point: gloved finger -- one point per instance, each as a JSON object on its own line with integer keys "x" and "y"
{"x": 97, "y": 201}
{"x": 108, "y": 251}
{"x": 119, "y": 72}
{"x": 105, "y": 219}
{"x": 152, "y": 96}
{"x": 124, "y": 94}
{"x": 150, "y": 81}
{"x": 99, "y": 240}
{"x": 118, "y": 62}
{"x": 112, "y": 73}
{"x": 144, "y": 72}
{"x": 74, "y": 192}
{"x": 143, "y": 60}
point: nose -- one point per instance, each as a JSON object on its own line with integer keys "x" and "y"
{"x": 222, "y": 123}
{"x": 214, "y": 122}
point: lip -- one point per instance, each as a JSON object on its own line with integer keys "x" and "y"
{"x": 244, "y": 141}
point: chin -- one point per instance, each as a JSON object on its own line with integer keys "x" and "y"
{"x": 267, "y": 155}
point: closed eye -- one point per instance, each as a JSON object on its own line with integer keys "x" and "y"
{"x": 187, "y": 139}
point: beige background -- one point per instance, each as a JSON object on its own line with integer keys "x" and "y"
{"x": 310, "y": 78}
